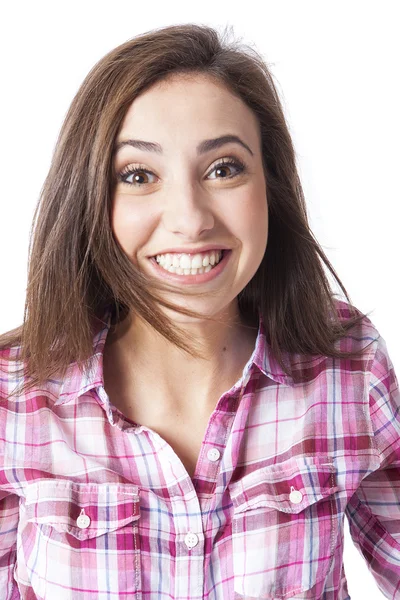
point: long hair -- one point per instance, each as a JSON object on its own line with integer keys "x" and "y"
{"x": 77, "y": 268}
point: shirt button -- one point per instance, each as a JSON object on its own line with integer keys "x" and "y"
{"x": 191, "y": 540}
{"x": 295, "y": 496}
{"x": 213, "y": 454}
{"x": 83, "y": 520}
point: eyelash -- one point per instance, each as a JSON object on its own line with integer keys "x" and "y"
{"x": 129, "y": 170}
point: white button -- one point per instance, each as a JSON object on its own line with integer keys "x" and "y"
{"x": 295, "y": 496}
{"x": 213, "y": 454}
{"x": 191, "y": 540}
{"x": 83, "y": 520}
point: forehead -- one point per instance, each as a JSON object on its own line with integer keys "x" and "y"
{"x": 182, "y": 101}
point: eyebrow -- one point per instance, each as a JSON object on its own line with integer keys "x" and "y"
{"x": 202, "y": 148}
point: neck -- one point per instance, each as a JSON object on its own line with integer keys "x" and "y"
{"x": 146, "y": 358}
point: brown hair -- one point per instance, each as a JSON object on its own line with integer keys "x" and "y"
{"x": 77, "y": 268}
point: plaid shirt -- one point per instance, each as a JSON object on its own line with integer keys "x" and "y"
{"x": 93, "y": 506}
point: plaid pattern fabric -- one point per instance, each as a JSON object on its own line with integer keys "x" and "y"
{"x": 94, "y": 506}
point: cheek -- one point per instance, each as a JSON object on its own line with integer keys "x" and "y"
{"x": 129, "y": 222}
{"x": 261, "y": 221}
{"x": 252, "y": 221}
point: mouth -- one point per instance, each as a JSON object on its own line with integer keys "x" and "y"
{"x": 180, "y": 268}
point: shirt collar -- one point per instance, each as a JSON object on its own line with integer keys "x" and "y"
{"x": 77, "y": 380}
{"x": 265, "y": 360}
{"x": 302, "y": 366}
{"x": 80, "y": 379}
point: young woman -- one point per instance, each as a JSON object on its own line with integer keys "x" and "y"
{"x": 188, "y": 411}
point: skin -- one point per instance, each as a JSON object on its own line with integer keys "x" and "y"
{"x": 187, "y": 203}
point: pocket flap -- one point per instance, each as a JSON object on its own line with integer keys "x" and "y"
{"x": 59, "y": 503}
{"x": 289, "y": 486}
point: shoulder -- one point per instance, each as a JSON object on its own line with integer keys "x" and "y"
{"x": 14, "y": 382}
{"x": 371, "y": 357}
{"x": 353, "y": 352}
{"x": 362, "y": 338}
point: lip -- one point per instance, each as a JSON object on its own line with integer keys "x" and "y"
{"x": 191, "y": 279}
{"x": 191, "y": 251}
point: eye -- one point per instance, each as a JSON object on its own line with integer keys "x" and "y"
{"x": 135, "y": 175}
{"x": 227, "y": 164}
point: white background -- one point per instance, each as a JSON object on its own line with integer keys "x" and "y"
{"x": 336, "y": 64}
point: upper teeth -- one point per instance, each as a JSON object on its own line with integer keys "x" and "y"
{"x": 187, "y": 261}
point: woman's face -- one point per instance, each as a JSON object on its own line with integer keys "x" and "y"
{"x": 181, "y": 204}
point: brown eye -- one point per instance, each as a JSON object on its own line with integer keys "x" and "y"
{"x": 223, "y": 170}
{"x": 135, "y": 176}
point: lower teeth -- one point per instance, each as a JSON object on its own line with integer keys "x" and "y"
{"x": 181, "y": 271}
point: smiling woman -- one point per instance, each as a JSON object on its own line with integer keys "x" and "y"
{"x": 187, "y": 410}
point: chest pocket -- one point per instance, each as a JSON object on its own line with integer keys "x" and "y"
{"x": 80, "y": 540}
{"x": 284, "y": 528}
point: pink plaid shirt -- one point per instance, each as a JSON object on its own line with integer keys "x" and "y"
{"x": 93, "y": 506}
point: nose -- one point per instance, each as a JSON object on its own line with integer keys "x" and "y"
{"x": 187, "y": 210}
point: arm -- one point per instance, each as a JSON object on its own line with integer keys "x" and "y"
{"x": 9, "y": 514}
{"x": 374, "y": 510}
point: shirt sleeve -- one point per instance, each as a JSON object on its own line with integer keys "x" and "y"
{"x": 374, "y": 510}
{"x": 9, "y": 515}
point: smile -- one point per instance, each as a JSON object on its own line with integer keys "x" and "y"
{"x": 186, "y": 264}
{"x": 186, "y": 268}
